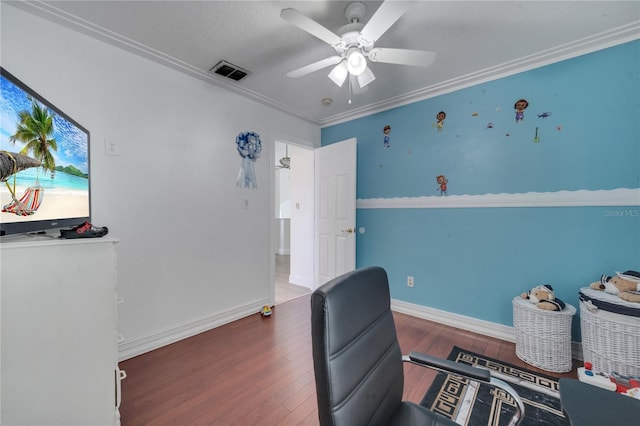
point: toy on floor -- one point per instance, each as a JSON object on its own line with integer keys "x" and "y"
{"x": 624, "y": 383}
{"x": 596, "y": 379}
{"x": 615, "y": 382}
{"x": 625, "y": 285}
{"x": 544, "y": 297}
{"x": 265, "y": 311}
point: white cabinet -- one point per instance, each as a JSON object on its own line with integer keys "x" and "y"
{"x": 59, "y": 340}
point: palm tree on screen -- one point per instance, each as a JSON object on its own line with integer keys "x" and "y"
{"x": 34, "y": 130}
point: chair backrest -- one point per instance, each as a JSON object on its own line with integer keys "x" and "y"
{"x": 356, "y": 355}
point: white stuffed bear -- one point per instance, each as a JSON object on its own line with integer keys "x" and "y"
{"x": 544, "y": 297}
{"x": 625, "y": 285}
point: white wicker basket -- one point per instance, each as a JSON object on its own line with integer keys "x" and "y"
{"x": 543, "y": 338}
{"x": 610, "y": 341}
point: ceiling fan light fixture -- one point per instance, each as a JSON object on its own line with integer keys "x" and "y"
{"x": 355, "y": 44}
{"x": 366, "y": 77}
{"x": 285, "y": 162}
{"x": 339, "y": 73}
{"x": 356, "y": 62}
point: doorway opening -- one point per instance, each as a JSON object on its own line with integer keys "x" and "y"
{"x": 294, "y": 216}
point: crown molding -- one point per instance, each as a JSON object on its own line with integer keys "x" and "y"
{"x": 559, "y": 53}
{"x": 593, "y": 43}
{"x": 51, "y": 13}
{"x": 620, "y": 197}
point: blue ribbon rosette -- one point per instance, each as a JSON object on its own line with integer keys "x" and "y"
{"x": 249, "y": 147}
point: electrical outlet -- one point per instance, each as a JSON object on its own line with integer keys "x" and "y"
{"x": 410, "y": 281}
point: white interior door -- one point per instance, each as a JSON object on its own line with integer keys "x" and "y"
{"x": 335, "y": 210}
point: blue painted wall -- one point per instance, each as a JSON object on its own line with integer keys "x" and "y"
{"x": 473, "y": 261}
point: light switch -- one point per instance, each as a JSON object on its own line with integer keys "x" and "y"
{"x": 111, "y": 147}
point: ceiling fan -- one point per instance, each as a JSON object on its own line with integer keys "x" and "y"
{"x": 356, "y": 43}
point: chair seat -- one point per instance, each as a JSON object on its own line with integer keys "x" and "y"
{"x": 410, "y": 414}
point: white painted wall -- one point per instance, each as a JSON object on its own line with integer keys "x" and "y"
{"x": 190, "y": 256}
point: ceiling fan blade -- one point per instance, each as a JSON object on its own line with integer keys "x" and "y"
{"x": 309, "y": 25}
{"x": 308, "y": 69}
{"x": 416, "y": 58}
{"x": 386, "y": 15}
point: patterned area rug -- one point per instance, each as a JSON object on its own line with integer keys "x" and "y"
{"x": 468, "y": 403}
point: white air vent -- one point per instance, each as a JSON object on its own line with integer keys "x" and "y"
{"x": 229, "y": 70}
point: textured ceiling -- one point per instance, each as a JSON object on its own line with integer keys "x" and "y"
{"x": 475, "y": 41}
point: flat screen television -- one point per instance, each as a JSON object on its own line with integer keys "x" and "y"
{"x": 45, "y": 163}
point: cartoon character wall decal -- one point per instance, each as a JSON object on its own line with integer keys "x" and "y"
{"x": 544, "y": 115}
{"x": 387, "y": 139}
{"x": 520, "y": 106}
{"x": 440, "y": 120}
{"x": 536, "y": 138}
{"x": 442, "y": 182}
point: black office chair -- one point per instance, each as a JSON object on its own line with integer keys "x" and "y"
{"x": 357, "y": 360}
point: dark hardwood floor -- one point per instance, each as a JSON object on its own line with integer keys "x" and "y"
{"x": 260, "y": 371}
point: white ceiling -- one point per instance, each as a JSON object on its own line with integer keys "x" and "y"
{"x": 475, "y": 41}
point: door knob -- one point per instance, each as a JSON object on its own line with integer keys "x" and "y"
{"x": 349, "y": 230}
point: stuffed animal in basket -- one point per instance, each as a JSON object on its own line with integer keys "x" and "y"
{"x": 625, "y": 285}
{"x": 544, "y": 297}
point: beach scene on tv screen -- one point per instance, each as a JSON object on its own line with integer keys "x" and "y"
{"x": 30, "y": 131}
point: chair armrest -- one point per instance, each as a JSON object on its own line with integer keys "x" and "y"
{"x": 447, "y": 366}
{"x": 473, "y": 373}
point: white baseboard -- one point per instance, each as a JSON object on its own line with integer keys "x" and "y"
{"x": 485, "y": 328}
{"x": 129, "y": 349}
